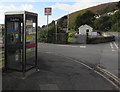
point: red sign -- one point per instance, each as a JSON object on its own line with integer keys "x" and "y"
{"x": 31, "y": 45}
{"x": 48, "y": 11}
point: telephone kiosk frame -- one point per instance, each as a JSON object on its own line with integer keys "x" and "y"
{"x": 21, "y": 41}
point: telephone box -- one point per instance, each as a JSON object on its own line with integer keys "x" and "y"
{"x": 20, "y": 41}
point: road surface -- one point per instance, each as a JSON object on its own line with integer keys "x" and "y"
{"x": 57, "y": 73}
{"x": 104, "y": 54}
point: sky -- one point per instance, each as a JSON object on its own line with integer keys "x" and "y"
{"x": 59, "y": 7}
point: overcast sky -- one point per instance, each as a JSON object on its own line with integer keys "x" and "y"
{"x": 59, "y": 7}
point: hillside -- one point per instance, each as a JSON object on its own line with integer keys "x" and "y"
{"x": 99, "y": 9}
{"x": 103, "y": 18}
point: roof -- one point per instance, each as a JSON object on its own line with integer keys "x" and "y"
{"x": 20, "y": 12}
{"x": 85, "y": 26}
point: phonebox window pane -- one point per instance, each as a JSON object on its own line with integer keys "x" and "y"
{"x": 30, "y": 41}
{"x": 14, "y": 45}
{"x": 30, "y": 32}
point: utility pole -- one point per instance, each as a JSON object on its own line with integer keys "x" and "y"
{"x": 56, "y": 29}
{"x": 68, "y": 22}
{"x": 47, "y": 21}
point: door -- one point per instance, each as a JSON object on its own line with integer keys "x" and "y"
{"x": 14, "y": 45}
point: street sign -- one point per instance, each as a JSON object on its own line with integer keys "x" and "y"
{"x": 48, "y": 11}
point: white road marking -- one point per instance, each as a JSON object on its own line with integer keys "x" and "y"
{"x": 82, "y": 46}
{"x": 71, "y": 46}
{"x": 113, "y": 50}
{"x": 116, "y": 45}
{"x": 49, "y": 87}
{"x": 60, "y": 45}
{"x": 48, "y": 52}
{"x": 111, "y": 45}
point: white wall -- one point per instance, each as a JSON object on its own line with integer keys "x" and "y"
{"x": 82, "y": 31}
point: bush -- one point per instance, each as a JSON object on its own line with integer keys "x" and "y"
{"x": 42, "y": 35}
{"x": 49, "y": 35}
{"x": 116, "y": 27}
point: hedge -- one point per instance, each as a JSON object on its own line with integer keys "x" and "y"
{"x": 100, "y": 39}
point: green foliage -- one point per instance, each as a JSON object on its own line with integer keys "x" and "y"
{"x": 72, "y": 32}
{"x": 70, "y": 39}
{"x": 86, "y": 18}
{"x": 42, "y": 35}
{"x": 49, "y": 35}
{"x": 108, "y": 23}
{"x": 116, "y": 27}
{"x": 118, "y": 5}
{"x": 45, "y": 35}
{"x": 109, "y": 8}
{"x": 103, "y": 24}
{"x": 73, "y": 17}
{"x": 70, "y": 35}
{"x": 62, "y": 22}
{"x": 115, "y": 17}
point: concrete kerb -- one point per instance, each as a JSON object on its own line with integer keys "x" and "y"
{"x": 111, "y": 78}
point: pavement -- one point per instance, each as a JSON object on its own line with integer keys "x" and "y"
{"x": 57, "y": 73}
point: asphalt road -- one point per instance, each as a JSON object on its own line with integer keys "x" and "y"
{"x": 57, "y": 73}
{"x": 105, "y": 54}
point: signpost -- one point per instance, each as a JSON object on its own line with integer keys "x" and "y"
{"x": 48, "y": 11}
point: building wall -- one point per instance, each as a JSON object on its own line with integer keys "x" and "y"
{"x": 82, "y": 31}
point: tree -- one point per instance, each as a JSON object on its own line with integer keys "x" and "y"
{"x": 115, "y": 17}
{"x": 42, "y": 35}
{"x": 62, "y": 23}
{"x": 86, "y": 18}
{"x": 104, "y": 23}
{"x": 43, "y": 26}
{"x": 116, "y": 26}
{"x": 109, "y": 8}
{"x": 118, "y": 5}
{"x": 115, "y": 21}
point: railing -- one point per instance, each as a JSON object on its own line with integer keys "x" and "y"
{"x": 1, "y": 50}
{"x": 1, "y": 57}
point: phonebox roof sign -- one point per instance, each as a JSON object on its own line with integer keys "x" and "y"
{"x": 48, "y": 11}
{"x": 14, "y": 19}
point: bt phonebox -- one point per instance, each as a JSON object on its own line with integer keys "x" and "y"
{"x": 20, "y": 40}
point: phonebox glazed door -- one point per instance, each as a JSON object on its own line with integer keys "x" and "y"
{"x": 30, "y": 41}
{"x": 14, "y": 41}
